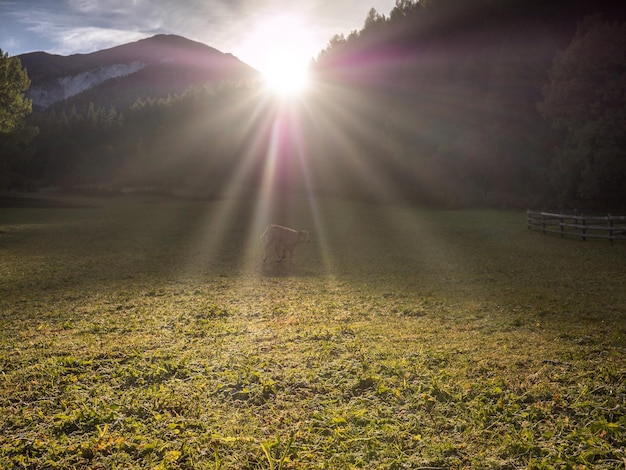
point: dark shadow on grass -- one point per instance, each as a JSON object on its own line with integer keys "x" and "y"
{"x": 29, "y": 202}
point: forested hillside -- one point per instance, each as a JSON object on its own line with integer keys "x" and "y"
{"x": 442, "y": 102}
{"x": 489, "y": 102}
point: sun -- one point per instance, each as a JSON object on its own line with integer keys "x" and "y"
{"x": 281, "y": 48}
{"x": 285, "y": 72}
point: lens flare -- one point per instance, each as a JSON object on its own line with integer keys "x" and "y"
{"x": 281, "y": 48}
{"x": 285, "y": 73}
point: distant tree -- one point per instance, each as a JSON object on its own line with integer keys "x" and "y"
{"x": 14, "y": 107}
{"x": 586, "y": 100}
{"x": 373, "y": 20}
{"x": 334, "y": 44}
{"x": 13, "y": 84}
{"x": 403, "y": 9}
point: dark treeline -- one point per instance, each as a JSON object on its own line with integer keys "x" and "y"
{"x": 443, "y": 102}
{"x": 192, "y": 141}
{"x": 471, "y": 102}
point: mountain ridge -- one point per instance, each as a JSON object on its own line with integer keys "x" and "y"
{"x": 150, "y": 68}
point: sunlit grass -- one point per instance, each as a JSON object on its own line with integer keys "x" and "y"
{"x": 130, "y": 337}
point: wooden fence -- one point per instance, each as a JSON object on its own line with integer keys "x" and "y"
{"x": 578, "y": 225}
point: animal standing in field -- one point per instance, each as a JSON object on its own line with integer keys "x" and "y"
{"x": 284, "y": 240}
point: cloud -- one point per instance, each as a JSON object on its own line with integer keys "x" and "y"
{"x": 70, "y": 26}
{"x": 9, "y": 42}
{"x": 98, "y": 7}
{"x": 93, "y": 39}
{"x": 82, "y": 25}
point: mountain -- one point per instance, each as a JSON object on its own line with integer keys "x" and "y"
{"x": 152, "y": 67}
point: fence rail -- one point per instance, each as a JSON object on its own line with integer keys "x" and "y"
{"x": 578, "y": 225}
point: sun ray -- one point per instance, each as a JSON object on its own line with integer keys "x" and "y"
{"x": 319, "y": 232}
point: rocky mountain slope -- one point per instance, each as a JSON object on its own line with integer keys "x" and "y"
{"x": 152, "y": 67}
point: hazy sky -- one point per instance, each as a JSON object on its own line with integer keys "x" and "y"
{"x": 242, "y": 27}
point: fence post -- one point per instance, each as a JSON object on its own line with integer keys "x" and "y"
{"x": 543, "y": 224}
{"x": 610, "y": 228}
{"x": 561, "y": 222}
{"x": 583, "y": 230}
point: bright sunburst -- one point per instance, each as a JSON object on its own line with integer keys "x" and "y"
{"x": 285, "y": 72}
{"x": 281, "y": 48}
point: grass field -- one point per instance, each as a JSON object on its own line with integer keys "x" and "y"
{"x": 144, "y": 332}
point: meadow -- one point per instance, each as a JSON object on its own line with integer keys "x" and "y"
{"x": 139, "y": 331}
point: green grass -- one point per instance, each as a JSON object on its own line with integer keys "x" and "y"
{"x": 138, "y": 332}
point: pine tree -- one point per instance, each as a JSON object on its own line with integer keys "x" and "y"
{"x": 14, "y": 82}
